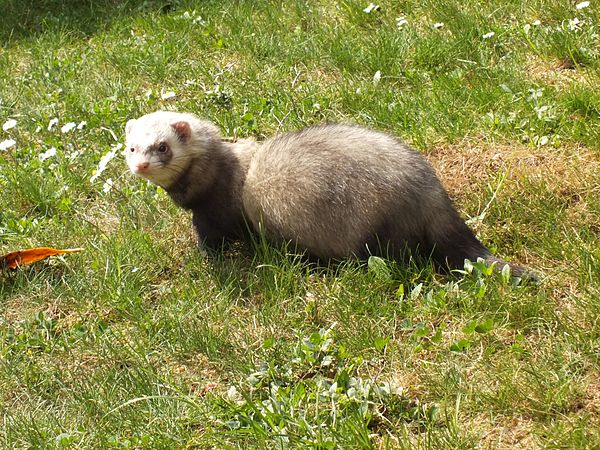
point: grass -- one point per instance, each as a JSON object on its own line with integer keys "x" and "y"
{"x": 141, "y": 341}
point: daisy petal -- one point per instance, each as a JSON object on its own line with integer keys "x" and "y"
{"x": 8, "y": 143}
{"x": 10, "y": 123}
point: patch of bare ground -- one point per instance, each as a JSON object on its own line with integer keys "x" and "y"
{"x": 556, "y": 73}
{"x": 569, "y": 172}
{"x": 103, "y": 221}
{"x": 591, "y": 402}
{"x": 198, "y": 372}
{"x": 317, "y": 76}
{"x": 409, "y": 381}
{"x": 505, "y": 432}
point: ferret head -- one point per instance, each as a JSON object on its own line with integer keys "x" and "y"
{"x": 162, "y": 145}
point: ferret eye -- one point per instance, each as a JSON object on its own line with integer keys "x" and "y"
{"x": 162, "y": 148}
{"x": 131, "y": 150}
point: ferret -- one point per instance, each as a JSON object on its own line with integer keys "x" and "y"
{"x": 334, "y": 191}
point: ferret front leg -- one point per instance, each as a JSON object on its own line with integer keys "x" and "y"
{"x": 208, "y": 235}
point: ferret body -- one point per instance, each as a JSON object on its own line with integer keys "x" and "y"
{"x": 335, "y": 191}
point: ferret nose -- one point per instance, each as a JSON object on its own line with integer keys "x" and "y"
{"x": 140, "y": 167}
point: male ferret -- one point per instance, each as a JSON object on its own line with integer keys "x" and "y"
{"x": 335, "y": 191}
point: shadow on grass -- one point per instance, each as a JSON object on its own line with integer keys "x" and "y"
{"x": 22, "y": 19}
{"x": 262, "y": 273}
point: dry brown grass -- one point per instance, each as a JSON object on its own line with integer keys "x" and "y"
{"x": 568, "y": 175}
{"x": 592, "y": 396}
{"x": 506, "y": 432}
{"x": 557, "y": 73}
{"x": 569, "y": 172}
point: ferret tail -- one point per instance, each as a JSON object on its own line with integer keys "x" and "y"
{"x": 516, "y": 270}
{"x": 453, "y": 242}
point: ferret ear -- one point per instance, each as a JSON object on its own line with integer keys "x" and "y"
{"x": 129, "y": 125}
{"x": 183, "y": 130}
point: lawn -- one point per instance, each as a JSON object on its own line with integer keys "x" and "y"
{"x": 143, "y": 341}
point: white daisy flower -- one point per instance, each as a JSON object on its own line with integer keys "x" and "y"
{"x": 489, "y": 35}
{"x": 6, "y": 144}
{"x": 168, "y": 95}
{"x": 82, "y": 124}
{"x": 582, "y": 5}
{"x": 377, "y": 77}
{"x": 53, "y": 122}
{"x": 438, "y": 25}
{"x": 10, "y": 123}
{"x": 47, "y": 154}
{"x": 401, "y": 21}
{"x": 107, "y": 186}
{"x": 68, "y": 127}
{"x": 105, "y": 160}
{"x": 372, "y": 7}
{"x": 574, "y": 24}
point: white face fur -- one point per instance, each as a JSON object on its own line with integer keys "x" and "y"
{"x": 156, "y": 147}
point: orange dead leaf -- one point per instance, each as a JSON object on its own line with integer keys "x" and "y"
{"x": 24, "y": 257}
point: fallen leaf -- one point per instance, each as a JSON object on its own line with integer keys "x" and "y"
{"x": 23, "y": 257}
